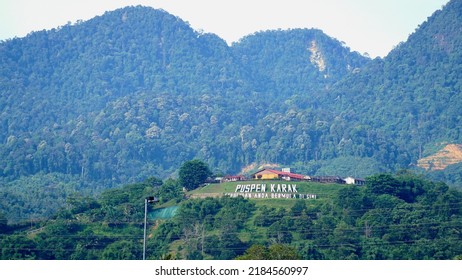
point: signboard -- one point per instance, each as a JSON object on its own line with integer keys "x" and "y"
{"x": 268, "y": 191}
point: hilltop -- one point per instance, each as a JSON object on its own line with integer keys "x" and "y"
{"x": 233, "y": 189}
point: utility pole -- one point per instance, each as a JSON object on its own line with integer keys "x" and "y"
{"x": 149, "y": 199}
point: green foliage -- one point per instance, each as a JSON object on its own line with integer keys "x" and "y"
{"x": 404, "y": 187}
{"x": 36, "y": 197}
{"x": 280, "y": 231}
{"x": 148, "y": 103}
{"x": 3, "y": 223}
{"x": 451, "y": 175}
{"x": 210, "y": 227}
{"x": 121, "y": 250}
{"x": 193, "y": 173}
{"x": 170, "y": 189}
{"x": 298, "y": 208}
{"x": 273, "y": 252}
{"x": 383, "y": 184}
{"x": 356, "y": 223}
{"x": 358, "y": 167}
{"x": 17, "y": 247}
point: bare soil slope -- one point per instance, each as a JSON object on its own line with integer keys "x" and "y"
{"x": 450, "y": 154}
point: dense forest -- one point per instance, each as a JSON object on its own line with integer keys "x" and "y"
{"x": 393, "y": 217}
{"x": 135, "y": 92}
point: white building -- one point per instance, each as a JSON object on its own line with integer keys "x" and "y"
{"x": 354, "y": 181}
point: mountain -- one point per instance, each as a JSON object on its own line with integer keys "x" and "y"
{"x": 410, "y": 100}
{"x": 59, "y": 85}
{"x": 135, "y": 92}
{"x": 296, "y": 61}
{"x": 136, "y": 75}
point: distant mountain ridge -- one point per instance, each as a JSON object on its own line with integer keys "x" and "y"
{"x": 136, "y": 53}
{"x": 136, "y": 92}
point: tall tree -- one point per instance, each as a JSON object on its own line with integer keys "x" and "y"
{"x": 193, "y": 173}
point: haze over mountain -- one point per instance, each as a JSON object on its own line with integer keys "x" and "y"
{"x": 136, "y": 92}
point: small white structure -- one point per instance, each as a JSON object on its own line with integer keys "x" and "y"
{"x": 354, "y": 181}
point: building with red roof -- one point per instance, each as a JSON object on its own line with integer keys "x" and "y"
{"x": 271, "y": 174}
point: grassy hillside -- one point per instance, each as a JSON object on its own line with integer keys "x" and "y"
{"x": 323, "y": 192}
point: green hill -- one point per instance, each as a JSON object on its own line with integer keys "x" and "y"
{"x": 393, "y": 217}
{"x": 310, "y": 193}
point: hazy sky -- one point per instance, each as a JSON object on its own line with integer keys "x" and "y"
{"x": 372, "y": 26}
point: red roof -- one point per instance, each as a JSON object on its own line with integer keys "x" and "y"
{"x": 288, "y": 174}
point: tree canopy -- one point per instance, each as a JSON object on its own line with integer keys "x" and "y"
{"x": 193, "y": 173}
{"x": 350, "y": 222}
{"x": 107, "y": 102}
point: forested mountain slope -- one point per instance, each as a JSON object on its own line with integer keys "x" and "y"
{"x": 136, "y": 92}
{"x": 133, "y": 87}
{"x": 291, "y": 62}
{"x": 70, "y": 95}
{"x": 410, "y": 101}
